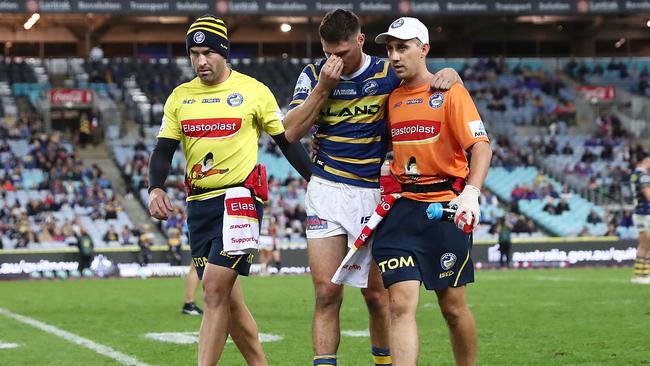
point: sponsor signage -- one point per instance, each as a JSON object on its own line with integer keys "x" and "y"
{"x": 68, "y": 97}
{"x": 20, "y": 263}
{"x": 561, "y": 254}
{"x": 211, "y": 127}
{"x": 414, "y": 131}
{"x": 312, "y": 7}
{"x": 598, "y": 93}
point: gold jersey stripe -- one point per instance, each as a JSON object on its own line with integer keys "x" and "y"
{"x": 313, "y": 71}
{"x": 382, "y": 73}
{"x": 349, "y": 175}
{"x": 356, "y": 161}
{"x": 349, "y": 140}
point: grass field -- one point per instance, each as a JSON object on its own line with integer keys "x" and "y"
{"x": 533, "y": 317}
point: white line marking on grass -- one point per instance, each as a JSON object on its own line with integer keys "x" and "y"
{"x": 8, "y": 345}
{"x": 356, "y": 333}
{"x": 574, "y": 279}
{"x": 73, "y": 338}
{"x": 193, "y": 337}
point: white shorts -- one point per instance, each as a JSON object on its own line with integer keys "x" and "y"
{"x": 338, "y": 208}
{"x": 642, "y": 223}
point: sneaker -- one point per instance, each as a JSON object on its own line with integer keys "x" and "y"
{"x": 645, "y": 280}
{"x": 191, "y": 309}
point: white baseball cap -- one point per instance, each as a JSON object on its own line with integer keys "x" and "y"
{"x": 405, "y": 28}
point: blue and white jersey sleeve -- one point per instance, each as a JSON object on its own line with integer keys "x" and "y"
{"x": 304, "y": 85}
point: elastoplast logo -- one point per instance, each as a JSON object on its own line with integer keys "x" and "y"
{"x": 436, "y": 100}
{"x": 241, "y": 206}
{"x": 370, "y": 88}
{"x": 415, "y": 131}
{"x": 235, "y": 99}
{"x": 211, "y": 127}
{"x": 199, "y": 37}
{"x": 447, "y": 261}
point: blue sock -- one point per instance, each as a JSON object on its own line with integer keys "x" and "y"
{"x": 381, "y": 356}
{"x": 326, "y": 359}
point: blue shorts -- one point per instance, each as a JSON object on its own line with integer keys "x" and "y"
{"x": 409, "y": 246}
{"x": 205, "y": 226}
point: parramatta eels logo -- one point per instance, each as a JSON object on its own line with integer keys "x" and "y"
{"x": 398, "y": 23}
{"x": 370, "y": 88}
{"x": 436, "y": 100}
{"x": 235, "y": 99}
{"x": 199, "y": 37}
{"x": 447, "y": 261}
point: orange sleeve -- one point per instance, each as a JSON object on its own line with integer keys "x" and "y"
{"x": 464, "y": 119}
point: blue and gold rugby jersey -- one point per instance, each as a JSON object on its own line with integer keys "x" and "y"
{"x": 352, "y": 125}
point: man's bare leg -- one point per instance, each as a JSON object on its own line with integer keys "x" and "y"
{"x": 325, "y": 255}
{"x": 376, "y": 297}
{"x": 404, "y": 340}
{"x": 462, "y": 329}
{"x": 191, "y": 284}
{"x": 243, "y": 329}
{"x": 217, "y": 285}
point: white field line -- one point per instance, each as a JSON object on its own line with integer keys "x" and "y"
{"x": 8, "y": 345}
{"x": 356, "y": 333}
{"x": 73, "y": 338}
{"x": 193, "y": 337}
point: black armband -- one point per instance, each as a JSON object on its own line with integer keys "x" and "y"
{"x": 295, "y": 154}
{"x": 160, "y": 162}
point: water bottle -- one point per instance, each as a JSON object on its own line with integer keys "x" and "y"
{"x": 437, "y": 212}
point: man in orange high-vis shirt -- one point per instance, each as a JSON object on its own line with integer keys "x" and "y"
{"x": 431, "y": 133}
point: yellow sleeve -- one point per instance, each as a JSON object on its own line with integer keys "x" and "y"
{"x": 170, "y": 127}
{"x": 269, "y": 115}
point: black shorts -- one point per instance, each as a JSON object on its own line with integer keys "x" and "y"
{"x": 409, "y": 246}
{"x": 205, "y": 226}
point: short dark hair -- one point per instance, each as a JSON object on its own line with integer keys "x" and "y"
{"x": 339, "y": 25}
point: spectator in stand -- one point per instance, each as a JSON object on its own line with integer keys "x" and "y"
{"x": 593, "y": 217}
{"x": 567, "y": 149}
{"x": 626, "y": 219}
{"x": 562, "y": 206}
{"x": 96, "y": 53}
{"x": 174, "y": 244}
{"x": 111, "y": 237}
{"x": 611, "y": 230}
{"x": 520, "y": 225}
{"x": 550, "y": 207}
{"x": 126, "y": 235}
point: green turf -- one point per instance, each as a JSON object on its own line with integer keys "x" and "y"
{"x": 534, "y": 317}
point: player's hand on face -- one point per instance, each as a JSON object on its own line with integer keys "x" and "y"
{"x": 160, "y": 206}
{"x": 330, "y": 74}
{"x": 444, "y": 79}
